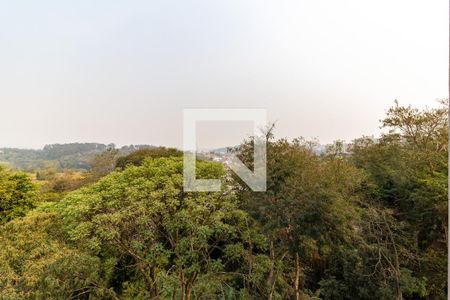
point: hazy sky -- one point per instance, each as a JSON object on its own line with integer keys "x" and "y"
{"x": 122, "y": 71}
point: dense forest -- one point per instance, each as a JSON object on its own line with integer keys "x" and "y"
{"x": 369, "y": 222}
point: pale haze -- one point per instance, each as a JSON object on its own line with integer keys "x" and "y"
{"x": 122, "y": 71}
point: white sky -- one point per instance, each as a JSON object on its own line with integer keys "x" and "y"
{"x": 122, "y": 71}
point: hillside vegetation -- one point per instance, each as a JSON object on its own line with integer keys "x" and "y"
{"x": 369, "y": 222}
{"x": 60, "y": 156}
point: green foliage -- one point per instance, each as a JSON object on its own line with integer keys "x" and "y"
{"x": 308, "y": 213}
{"x": 103, "y": 164}
{"x": 135, "y": 234}
{"x": 368, "y": 223}
{"x": 37, "y": 264}
{"x": 142, "y": 218}
{"x": 17, "y": 194}
{"x": 408, "y": 169}
{"x": 136, "y": 158}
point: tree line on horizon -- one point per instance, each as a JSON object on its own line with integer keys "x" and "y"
{"x": 72, "y": 156}
{"x": 369, "y": 222}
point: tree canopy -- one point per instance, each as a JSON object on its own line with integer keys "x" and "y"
{"x": 369, "y": 222}
{"x": 17, "y": 194}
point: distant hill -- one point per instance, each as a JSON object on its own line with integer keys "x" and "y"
{"x": 60, "y": 156}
